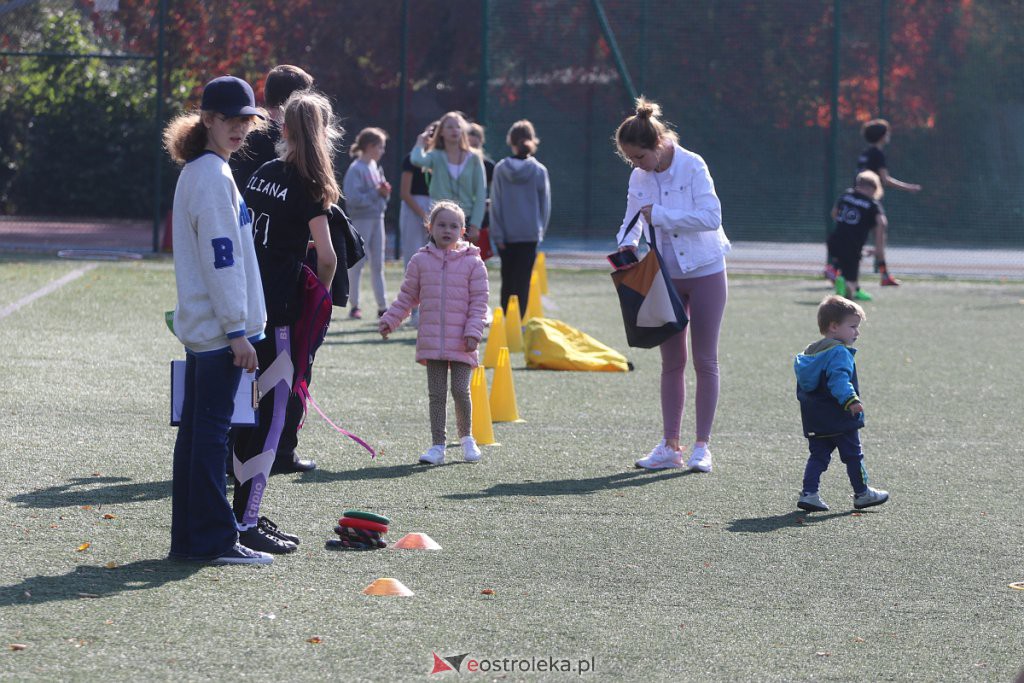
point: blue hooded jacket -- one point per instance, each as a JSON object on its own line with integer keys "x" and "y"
{"x": 826, "y": 386}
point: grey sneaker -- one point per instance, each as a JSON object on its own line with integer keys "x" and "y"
{"x": 239, "y": 554}
{"x": 870, "y": 498}
{"x": 811, "y": 502}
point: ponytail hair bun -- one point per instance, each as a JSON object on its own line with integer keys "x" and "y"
{"x": 646, "y": 109}
{"x": 644, "y": 129}
{"x": 522, "y": 138}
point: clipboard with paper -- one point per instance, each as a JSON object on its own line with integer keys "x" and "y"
{"x": 246, "y": 398}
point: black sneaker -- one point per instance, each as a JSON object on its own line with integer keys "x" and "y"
{"x": 271, "y": 529}
{"x": 291, "y": 465}
{"x": 257, "y": 539}
{"x": 240, "y": 554}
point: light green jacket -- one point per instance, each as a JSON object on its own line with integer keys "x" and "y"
{"x": 469, "y": 190}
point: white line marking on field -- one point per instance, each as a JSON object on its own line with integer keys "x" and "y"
{"x": 48, "y": 289}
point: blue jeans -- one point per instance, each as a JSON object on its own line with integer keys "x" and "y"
{"x": 850, "y": 454}
{"x": 202, "y": 526}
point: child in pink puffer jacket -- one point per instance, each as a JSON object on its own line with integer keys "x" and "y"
{"x": 448, "y": 281}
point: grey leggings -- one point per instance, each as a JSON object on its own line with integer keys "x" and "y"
{"x": 437, "y": 387}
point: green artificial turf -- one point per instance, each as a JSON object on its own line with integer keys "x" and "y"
{"x": 649, "y": 576}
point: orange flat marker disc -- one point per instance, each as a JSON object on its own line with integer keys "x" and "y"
{"x": 417, "y": 541}
{"x": 388, "y": 587}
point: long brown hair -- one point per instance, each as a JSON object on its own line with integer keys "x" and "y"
{"x": 312, "y": 134}
{"x": 522, "y": 138}
{"x": 367, "y": 137}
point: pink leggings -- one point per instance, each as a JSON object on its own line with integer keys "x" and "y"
{"x": 704, "y": 298}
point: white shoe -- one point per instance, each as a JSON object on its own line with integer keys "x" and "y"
{"x": 870, "y": 498}
{"x": 812, "y": 502}
{"x": 700, "y": 459}
{"x": 470, "y": 451}
{"x": 434, "y": 456}
{"x": 661, "y": 458}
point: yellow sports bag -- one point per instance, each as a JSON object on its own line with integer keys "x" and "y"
{"x": 550, "y": 344}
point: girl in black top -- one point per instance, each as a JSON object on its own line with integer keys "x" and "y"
{"x": 289, "y": 199}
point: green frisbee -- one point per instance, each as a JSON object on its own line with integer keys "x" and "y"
{"x": 368, "y": 516}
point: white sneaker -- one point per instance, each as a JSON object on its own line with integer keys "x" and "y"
{"x": 870, "y": 498}
{"x": 700, "y": 459}
{"x": 661, "y": 458}
{"x": 812, "y": 502}
{"x": 434, "y": 456}
{"x": 470, "y": 451}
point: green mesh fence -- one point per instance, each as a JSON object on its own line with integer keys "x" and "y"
{"x": 749, "y": 85}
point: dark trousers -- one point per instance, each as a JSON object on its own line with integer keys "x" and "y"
{"x": 516, "y": 267}
{"x": 202, "y": 526}
{"x": 850, "y": 454}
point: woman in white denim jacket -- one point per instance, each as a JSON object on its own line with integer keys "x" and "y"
{"x": 673, "y": 191}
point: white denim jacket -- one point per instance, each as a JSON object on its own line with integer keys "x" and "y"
{"x": 686, "y": 213}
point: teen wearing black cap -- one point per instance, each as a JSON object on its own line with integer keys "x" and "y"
{"x": 219, "y": 315}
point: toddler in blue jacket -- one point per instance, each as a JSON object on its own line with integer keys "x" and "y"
{"x": 830, "y": 407}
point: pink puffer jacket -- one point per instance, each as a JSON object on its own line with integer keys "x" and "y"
{"x": 450, "y": 288}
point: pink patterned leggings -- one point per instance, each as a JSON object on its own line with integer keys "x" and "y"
{"x": 704, "y": 298}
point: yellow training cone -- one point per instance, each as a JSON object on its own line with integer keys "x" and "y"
{"x": 540, "y": 268}
{"x": 483, "y": 430}
{"x": 416, "y": 541}
{"x": 495, "y": 339}
{"x": 513, "y": 325}
{"x": 387, "y": 587}
{"x": 503, "y": 393}
{"x": 534, "y": 308}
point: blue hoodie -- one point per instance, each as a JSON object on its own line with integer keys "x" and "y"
{"x": 826, "y": 386}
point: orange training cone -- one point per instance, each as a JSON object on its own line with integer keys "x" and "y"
{"x": 503, "y": 393}
{"x": 415, "y": 541}
{"x": 534, "y": 308}
{"x": 541, "y": 269}
{"x": 495, "y": 339}
{"x": 388, "y": 587}
{"x": 513, "y": 325}
{"x": 483, "y": 429}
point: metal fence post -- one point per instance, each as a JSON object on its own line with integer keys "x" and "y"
{"x": 485, "y": 74}
{"x": 158, "y": 120}
{"x": 883, "y": 40}
{"x": 403, "y": 86}
{"x": 833, "y": 142}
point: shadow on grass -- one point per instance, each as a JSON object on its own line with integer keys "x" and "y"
{"x": 573, "y": 487}
{"x": 760, "y": 525}
{"x": 86, "y": 582}
{"x": 84, "y": 491}
{"x": 320, "y": 475}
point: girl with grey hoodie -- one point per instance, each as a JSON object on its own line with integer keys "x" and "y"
{"x": 520, "y": 211}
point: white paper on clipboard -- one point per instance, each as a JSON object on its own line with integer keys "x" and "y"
{"x": 246, "y": 398}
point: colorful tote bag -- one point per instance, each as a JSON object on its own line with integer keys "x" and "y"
{"x": 651, "y": 308}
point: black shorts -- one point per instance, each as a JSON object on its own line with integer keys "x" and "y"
{"x": 845, "y": 246}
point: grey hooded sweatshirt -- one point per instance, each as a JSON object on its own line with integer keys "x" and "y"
{"x": 520, "y": 201}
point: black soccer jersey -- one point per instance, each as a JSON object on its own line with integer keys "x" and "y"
{"x": 281, "y": 208}
{"x": 856, "y": 214}
{"x": 871, "y": 159}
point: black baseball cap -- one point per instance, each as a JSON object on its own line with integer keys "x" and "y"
{"x": 230, "y": 96}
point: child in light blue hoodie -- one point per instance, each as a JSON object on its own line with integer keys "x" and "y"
{"x": 830, "y": 405}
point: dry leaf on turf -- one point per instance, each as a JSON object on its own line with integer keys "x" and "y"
{"x": 109, "y": 516}
{"x": 487, "y": 591}
{"x": 87, "y": 507}
{"x": 18, "y": 646}
{"x": 111, "y": 565}
{"x": 84, "y": 546}
{"x": 316, "y": 640}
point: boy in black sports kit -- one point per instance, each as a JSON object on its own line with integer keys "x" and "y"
{"x": 856, "y": 213}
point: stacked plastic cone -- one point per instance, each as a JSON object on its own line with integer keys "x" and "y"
{"x": 360, "y": 530}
